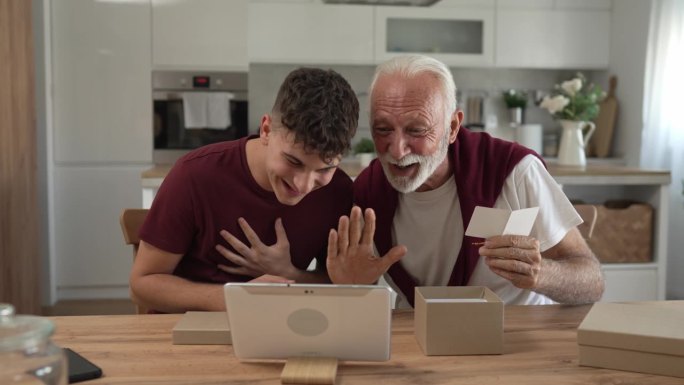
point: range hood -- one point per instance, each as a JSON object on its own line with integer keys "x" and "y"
{"x": 415, "y": 3}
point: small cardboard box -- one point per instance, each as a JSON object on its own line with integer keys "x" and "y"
{"x": 202, "y": 328}
{"x": 645, "y": 337}
{"x": 458, "y": 320}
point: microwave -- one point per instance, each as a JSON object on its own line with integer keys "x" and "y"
{"x": 176, "y": 93}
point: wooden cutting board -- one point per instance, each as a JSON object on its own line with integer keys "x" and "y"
{"x": 600, "y": 142}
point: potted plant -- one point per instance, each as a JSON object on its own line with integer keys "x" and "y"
{"x": 364, "y": 150}
{"x": 516, "y": 102}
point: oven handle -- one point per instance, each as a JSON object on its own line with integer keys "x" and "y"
{"x": 240, "y": 96}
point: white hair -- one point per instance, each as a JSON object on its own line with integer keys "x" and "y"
{"x": 409, "y": 66}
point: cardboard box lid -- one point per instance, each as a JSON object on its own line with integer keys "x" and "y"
{"x": 202, "y": 328}
{"x": 653, "y": 326}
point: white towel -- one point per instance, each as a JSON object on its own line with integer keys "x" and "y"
{"x": 218, "y": 110}
{"x": 207, "y": 110}
{"x": 195, "y": 109}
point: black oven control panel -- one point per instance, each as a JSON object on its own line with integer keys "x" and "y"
{"x": 201, "y": 81}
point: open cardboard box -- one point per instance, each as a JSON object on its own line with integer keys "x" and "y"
{"x": 458, "y": 320}
{"x": 645, "y": 337}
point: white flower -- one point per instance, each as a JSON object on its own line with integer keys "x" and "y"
{"x": 571, "y": 87}
{"x": 554, "y": 104}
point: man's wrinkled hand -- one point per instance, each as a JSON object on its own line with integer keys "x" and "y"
{"x": 514, "y": 257}
{"x": 257, "y": 259}
{"x": 351, "y": 259}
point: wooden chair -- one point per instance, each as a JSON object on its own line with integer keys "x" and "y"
{"x": 131, "y": 220}
{"x": 589, "y": 213}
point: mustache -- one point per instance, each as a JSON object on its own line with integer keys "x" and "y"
{"x": 407, "y": 160}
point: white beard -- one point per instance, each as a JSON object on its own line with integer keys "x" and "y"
{"x": 427, "y": 165}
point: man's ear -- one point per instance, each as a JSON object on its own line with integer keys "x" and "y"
{"x": 265, "y": 128}
{"x": 456, "y": 119}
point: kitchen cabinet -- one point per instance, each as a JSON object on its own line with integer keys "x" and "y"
{"x": 91, "y": 259}
{"x": 456, "y": 35}
{"x": 199, "y": 34}
{"x": 626, "y": 281}
{"x": 554, "y": 4}
{"x": 101, "y": 81}
{"x": 310, "y": 33}
{"x": 101, "y": 133}
{"x": 464, "y": 3}
{"x": 572, "y": 34}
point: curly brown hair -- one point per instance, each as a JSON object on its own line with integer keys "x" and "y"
{"x": 320, "y": 108}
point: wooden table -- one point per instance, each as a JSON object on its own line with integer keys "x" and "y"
{"x": 540, "y": 348}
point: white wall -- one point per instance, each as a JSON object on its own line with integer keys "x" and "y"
{"x": 628, "y": 40}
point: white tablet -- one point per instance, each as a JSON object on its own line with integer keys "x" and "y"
{"x": 279, "y": 321}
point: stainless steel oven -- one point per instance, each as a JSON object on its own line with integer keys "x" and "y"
{"x": 180, "y": 96}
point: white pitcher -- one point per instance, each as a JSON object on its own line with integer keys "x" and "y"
{"x": 573, "y": 142}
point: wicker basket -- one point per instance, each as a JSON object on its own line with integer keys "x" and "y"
{"x": 623, "y": 232}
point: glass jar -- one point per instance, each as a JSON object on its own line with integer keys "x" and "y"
{"x": 27, "y": 356}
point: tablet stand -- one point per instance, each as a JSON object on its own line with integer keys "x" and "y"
{"x": 309, "y": 370}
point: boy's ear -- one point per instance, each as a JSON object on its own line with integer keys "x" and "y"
{"x": 265, "y": 128}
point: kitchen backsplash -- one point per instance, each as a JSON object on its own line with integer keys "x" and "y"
{"x": 265, "y": 79}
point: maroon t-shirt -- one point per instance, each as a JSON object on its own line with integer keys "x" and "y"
{"x": 210, "y": 188}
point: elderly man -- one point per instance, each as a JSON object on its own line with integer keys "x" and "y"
{"x": 420, "y": 194}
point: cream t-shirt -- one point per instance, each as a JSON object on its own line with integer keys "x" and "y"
{"x": 430, "y": 225}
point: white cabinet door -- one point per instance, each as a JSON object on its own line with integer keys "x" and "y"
{"x": 458, "y": 36}
{"x": 552, "y": 38}
{"x": 583, "y": 4}
{"x": 464, "y": 3}
{"x": 557, "y": 4}
{"x": 91, "y": 258}
{"x": 101, "y": 81}
{"x": 301, "y": 33}
{"x": 199, "y": 34}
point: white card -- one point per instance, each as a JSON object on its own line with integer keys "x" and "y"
{"x": 488, "y": 222}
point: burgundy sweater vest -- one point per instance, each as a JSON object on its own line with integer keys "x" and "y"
{"x": 480, "y": 163}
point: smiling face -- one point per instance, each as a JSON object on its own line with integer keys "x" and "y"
{"x": 411, "y": 131}
{"x": 290, "y": 170}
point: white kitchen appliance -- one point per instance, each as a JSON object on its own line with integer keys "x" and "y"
{"x": 174, "y": 134}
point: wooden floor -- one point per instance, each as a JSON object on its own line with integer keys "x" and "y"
{"x": 90, "y": 307}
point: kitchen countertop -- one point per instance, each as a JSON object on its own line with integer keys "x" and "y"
{"x": 349, "y": 165}
{"x": 594, "y": 173}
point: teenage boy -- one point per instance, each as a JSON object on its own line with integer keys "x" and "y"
{"x": 266, "y": 197}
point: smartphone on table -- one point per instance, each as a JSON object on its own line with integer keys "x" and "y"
{"x": 80, "y": 368}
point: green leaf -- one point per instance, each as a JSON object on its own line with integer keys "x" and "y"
{"x": 364, "y": 145}
{"x": 515, "y": 98}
